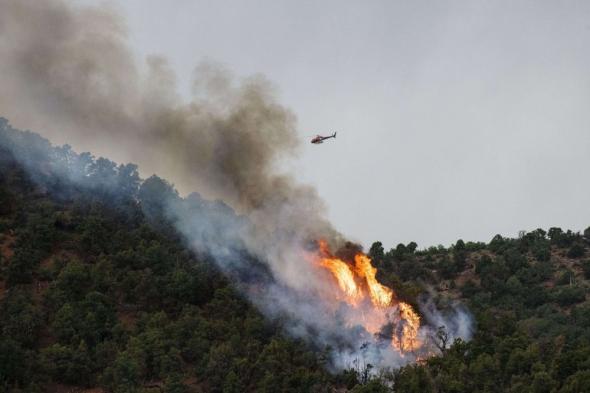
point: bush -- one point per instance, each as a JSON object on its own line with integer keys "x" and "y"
{"x": 469, "y": 289}
{"x": 576, "y": 251}
{"x": 579, "y": 382}
{"x": 565, "y": 278}
{"x": 570, "y": 295}
{"x": 542, "y": 250}
{"x": 12, "y": 362}
{"x": 64, "y": 364}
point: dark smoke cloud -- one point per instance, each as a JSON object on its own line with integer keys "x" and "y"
{"x": 68, "y": 72}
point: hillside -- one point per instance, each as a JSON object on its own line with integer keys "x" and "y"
{"x": 530, "y": 299}
{"x": 98, "y": 293}
{"x": 95, "y": 295}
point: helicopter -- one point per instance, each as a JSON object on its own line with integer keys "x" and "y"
{"x": 320, "y": 139}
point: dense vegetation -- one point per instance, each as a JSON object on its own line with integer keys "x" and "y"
{"x": 93, "y": 293}
{"x": 97, "y": 291}
{"x": 530, "y": 300}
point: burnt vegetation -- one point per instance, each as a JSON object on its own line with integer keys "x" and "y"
{"x": 98, "y": 292}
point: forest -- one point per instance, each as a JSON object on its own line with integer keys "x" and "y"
{"x": 99, "y": 293}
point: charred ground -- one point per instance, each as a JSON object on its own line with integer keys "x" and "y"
{"x": 99, "y": 293}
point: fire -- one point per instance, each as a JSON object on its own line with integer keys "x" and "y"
{"x": 380, "y": 295}
{"x": 407, "y": 341}
{"x": 376, "y": 304}
{"x": 345, "y": 278}
{"x": 342, "y": 273}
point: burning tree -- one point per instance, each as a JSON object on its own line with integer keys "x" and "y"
{"x": 372, "y": 305}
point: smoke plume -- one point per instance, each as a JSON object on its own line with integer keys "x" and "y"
{"x": 68, "y": 72}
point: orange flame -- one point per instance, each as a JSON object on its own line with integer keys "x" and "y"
{"x": 380, "y": 295}
{"x": 408, "y": 340}
{"x": 345, "y": 278}
{"x": 359, "y": 282}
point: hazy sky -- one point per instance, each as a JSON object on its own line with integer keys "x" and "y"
{"x": 455, "y": 119}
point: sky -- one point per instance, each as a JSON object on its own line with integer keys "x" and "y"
{"x": 455, "y": 119}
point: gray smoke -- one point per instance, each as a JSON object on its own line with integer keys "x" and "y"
{"x": 68, "y": 72}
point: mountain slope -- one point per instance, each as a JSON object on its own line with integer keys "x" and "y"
{"x": 530, "y": 299}
{"x": 98, "y": 291}
{"x": 95, "y": 294}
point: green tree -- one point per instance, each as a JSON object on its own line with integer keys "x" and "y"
{"x": 543, "y": 382}
{"x": 577, "y": 383}
{"x": 174, "y": 384}
{"x": 373, "y": 386}
{"x": 124, "y": 375}
{"x": 570, "y": 295}
{"x": 577, "y": 250}
{"x": 413, "y": 379}
{"x": 377, "y": 253}
{"x": 13, "y": 363}
{"x": 22, "y": 265}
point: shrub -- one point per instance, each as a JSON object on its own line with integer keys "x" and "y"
{"x": 570, "y": 295}
{"x": 576, "y": 251}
